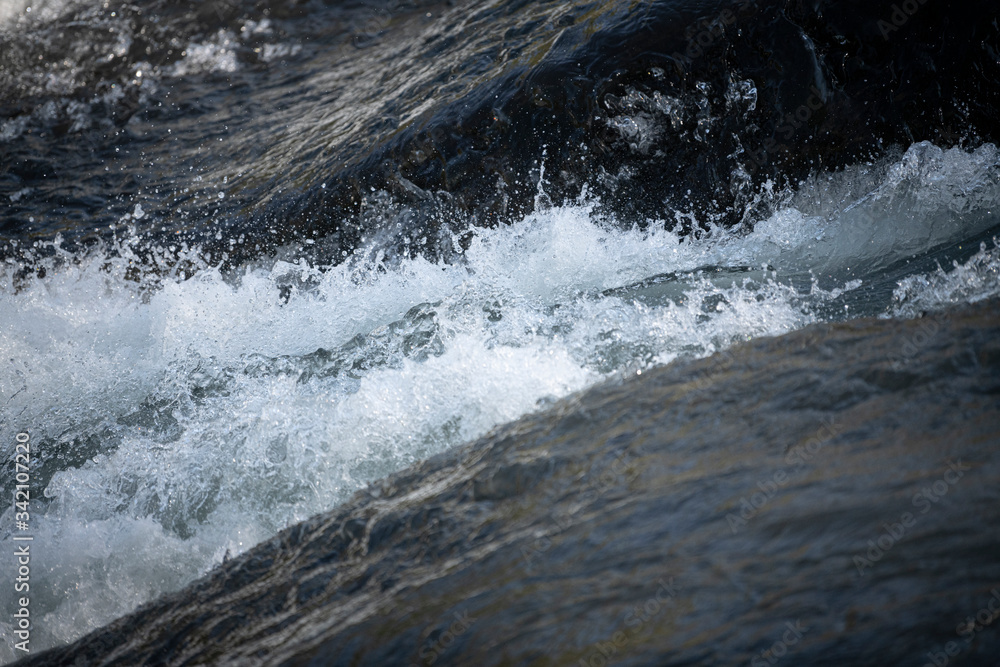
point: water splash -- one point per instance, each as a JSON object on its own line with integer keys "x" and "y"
{"x": 177, "y": 418}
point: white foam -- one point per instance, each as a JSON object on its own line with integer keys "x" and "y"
{"x": 199, "y": 416}
{"x": 12, "y": 11}
{"x": 968, "y": 282}
{"x": 215, "y": 55}
{"x": 868, "y": 217}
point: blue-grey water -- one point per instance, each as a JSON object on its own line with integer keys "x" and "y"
{"x": 251, "y": 261}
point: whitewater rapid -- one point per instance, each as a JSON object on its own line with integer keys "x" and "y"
{"x": 177, "y": 420}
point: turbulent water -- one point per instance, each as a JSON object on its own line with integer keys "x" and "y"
{"x": 191, "y": 388}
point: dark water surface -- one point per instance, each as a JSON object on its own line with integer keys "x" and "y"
{"x": 331, "y": 121}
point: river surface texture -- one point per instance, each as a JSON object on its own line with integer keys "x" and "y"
{"x": 257, "y": 256}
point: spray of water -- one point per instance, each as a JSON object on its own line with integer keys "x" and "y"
{"x": 177, "y": 419}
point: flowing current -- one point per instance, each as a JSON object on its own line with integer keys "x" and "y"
{"x": 181, "y": 420}
{"x": 225, "y": 360}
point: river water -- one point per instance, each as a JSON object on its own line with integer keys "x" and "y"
{"x": 256, "y": 257}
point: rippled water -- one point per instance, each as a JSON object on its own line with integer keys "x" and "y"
{"x": 184, "y": 404}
